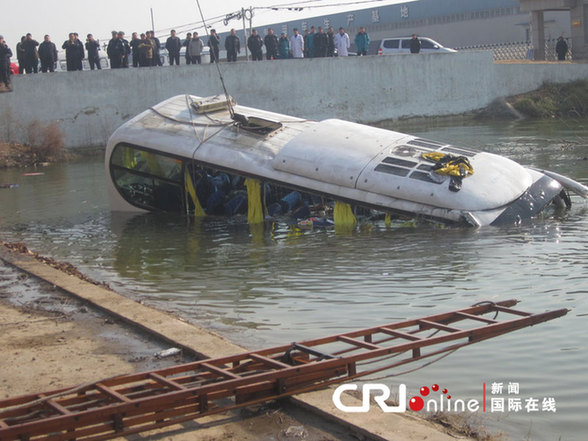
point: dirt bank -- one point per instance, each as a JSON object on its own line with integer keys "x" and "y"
{"x": 21, "y": 156}
{"x": 51, "y": 341}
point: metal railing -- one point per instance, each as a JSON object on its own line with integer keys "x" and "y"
{"x": 520, "y": 50}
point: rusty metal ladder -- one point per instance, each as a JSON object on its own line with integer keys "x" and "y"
{"x": 134, "y": 403}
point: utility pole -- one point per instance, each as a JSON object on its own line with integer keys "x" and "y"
{"x": 152, "y": 22}
{"x": 245, "y": 33}
{"x": 250, "y": 19}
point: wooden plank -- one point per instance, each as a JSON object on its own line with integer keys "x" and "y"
{"x": 511, "y": 311}
{"x": 166, "y": 381}
{"x": 270, "y": 361}
{"x": 358, "y": 343}
{"x": 476, "y": 317}
{"x": 427, "y": 324}
{"x": 112, "y": 393}
{"x": 396, "y": 333}
{"x": 58, "y": 407}
{"x": 219, "y": 371}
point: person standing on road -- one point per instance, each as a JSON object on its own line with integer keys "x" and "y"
{"x": 271, "y": 45}
{"x": 5, "y": 54}
{"x": 297, "y": 44}
{"x": 156, "y": 48}
{"x": 321, "y": 42}
{"x": 255, "y": 43}
{"x": 283, "y": 47}
{"x": 173, "y": 45}
{"x": 114, "y": 51}
{"x": 214, "y": 46}
{"x": 126, "y": 50}
{"x": 145, "y": 51}
{"x": 233, "y": 46}
{"x": 74, "y": 53}
{"x": 195, "y": 48}
{"x": 134, "y": 45}
{"x": 362, "y": 42}
{"x": 31, "y": 56}
{"x": 561, "y": 49}
{"x": 309, "y": 42}
{"x": 47, "y": 55}
{"x": 342, "y": 43}
{"x": 20, "y": 55}
{"x": 415, "y": 44}
{"x": 185, "y": 44}
{"x": 331, "y": 42}
{"x": 92, "y": 49}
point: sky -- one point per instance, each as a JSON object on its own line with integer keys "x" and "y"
{"x": 59, "y": 17}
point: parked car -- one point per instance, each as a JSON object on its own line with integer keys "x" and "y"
{"x": 401, "y": 45}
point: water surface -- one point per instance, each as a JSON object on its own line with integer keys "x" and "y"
{"x": 267, "y": 287}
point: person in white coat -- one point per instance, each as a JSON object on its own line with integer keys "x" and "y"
{"x": 297, "y": 45}
{"x": 342, "y": 43}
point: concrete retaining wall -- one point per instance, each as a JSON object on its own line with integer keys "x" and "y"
{"x": 91, "y": 105}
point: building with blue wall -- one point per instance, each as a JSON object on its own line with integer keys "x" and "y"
{"x": 454, "y": 23}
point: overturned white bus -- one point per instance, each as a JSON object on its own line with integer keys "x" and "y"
{"x": 155, "y": 161}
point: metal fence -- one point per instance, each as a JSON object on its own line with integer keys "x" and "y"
{"x": 520, "y": 50}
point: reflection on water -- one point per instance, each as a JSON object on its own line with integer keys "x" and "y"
{"x": 276, "y": 284}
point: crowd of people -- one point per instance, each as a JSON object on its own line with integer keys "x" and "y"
{"x": 315, "y": 43}
{"x": 144, "y": 49}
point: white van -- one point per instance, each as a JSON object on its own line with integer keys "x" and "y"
{"x": 401, "y": 45}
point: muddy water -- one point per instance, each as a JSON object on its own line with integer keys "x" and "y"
{"x": 276, "y": 285}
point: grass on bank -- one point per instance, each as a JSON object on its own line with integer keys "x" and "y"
{"x": 568, "y": 100}
{"x": 45, "y": 144}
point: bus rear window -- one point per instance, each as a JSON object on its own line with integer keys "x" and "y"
{"x": 146, "y": 179}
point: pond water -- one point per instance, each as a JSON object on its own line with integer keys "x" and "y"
{"x": 275, "y": 285}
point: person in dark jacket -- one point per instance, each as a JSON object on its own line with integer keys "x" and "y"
{"x": 255, "y": 43}
{"x": 5, "y": 54}
{"x": 321, "y": 42}
{"x": 283, "y": 47}
{"x": 31, "y": 56}
{"x": 362, "y": 42}
{"x": 126, "y": 50}
{"x": 156, "y": 48}
{"x": 214, "y": 45}
{"x": 145, "y": 51}
{"x": 271, "y": 45}
{"x": 47, "y": 55}
{"x": 331, "y": 42}
{"x": 173, "y": 45}
{"x": 232, "y": 45}
{"x": 115, "y": 51}
{"x": 561, "y": 49}
{"x": 92, "y": 49}
{"x": 74, "y": 53}
{"x": 20, "y": 55}
{"x": 185, "y": 44}
{"x": 134, "y": 45}
{"x": 415, "y": 44}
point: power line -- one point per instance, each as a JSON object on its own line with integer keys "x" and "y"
{"x": 297, "y": 6}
